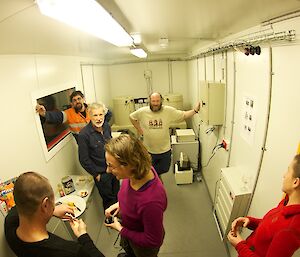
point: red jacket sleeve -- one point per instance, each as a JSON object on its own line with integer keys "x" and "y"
{"x": 254, "y": 222}
{"x": 284, "y": 244}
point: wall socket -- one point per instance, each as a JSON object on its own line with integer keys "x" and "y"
{"x": 225, "y": 144}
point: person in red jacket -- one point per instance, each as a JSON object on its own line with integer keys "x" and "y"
{"x": 277, "y": 234}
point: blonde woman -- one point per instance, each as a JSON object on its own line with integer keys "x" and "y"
{"x": 142, "y": 198}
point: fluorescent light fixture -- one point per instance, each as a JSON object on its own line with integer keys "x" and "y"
{"x": 88, "y": 16}
{"x": 137, "y": 38}
{"x": 138, "y": 52}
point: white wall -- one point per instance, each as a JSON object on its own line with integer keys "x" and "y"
{"x": 251, "y": 76}
{"x": 283, "y": 132}
{"x": 96, "y": 84}
{"x": 21, "y": 148}
{"x": 252, "y": 79}
{"x": 193, "y": 91}
{"x": 128, "y": 79}
{"x": 20, "y": 143}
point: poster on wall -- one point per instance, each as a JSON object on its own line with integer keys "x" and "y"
{"x": 53, "y": 136}
{"x": 248, "y": 118}
{"x": 56, "y": 102}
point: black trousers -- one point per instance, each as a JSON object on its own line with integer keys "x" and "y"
{"x": 137, "y": 251}
{"x": 161, "y": 162}
{"x": 108, "y": 188}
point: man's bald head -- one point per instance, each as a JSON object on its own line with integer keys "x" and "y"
{"x": 155, "y": 100}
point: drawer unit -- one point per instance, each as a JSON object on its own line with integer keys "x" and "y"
{"x": 231, "y": 200}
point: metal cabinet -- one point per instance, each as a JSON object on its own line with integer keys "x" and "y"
{"x": 231, "y": 200}
{"x": 212, "y": 99}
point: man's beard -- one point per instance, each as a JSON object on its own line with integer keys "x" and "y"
{"x": 156, "y": 110}
{"x": 98, "y": 124}
{"x": 78, "y": 107}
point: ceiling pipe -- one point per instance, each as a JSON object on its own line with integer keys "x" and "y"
{"x": 288, "y": 35}
{"x": 283, "y": 17}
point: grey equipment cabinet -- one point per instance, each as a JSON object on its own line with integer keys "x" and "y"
{"x": 212, "y": 99}
{"x": 231, "y": 200}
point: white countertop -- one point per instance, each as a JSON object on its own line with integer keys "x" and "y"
{"x": 81, "y": 182}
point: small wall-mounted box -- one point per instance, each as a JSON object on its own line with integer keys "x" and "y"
{"x": 212, "y": 99}
{"x": 184, "y": 176}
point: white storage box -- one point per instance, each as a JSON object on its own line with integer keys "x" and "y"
{"x": 185, "y": 135}
{"x": 120, "y": 128}
{"x": 115, "y": 134}
{"x": 184, "y": 176}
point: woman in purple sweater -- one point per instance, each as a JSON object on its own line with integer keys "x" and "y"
{"x": 142, "y": 198}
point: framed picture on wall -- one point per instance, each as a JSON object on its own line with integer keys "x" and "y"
{"x": 53, "y": 136}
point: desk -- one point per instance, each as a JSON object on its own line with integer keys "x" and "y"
{"x": 93, "y": 215}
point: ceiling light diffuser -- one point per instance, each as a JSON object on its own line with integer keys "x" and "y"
{"x": 87, "y": 16}
{"x": 138, "y": 52}
{"x": 163, "y": 42}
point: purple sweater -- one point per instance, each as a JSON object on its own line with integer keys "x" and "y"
{"x": 142, "y": 212}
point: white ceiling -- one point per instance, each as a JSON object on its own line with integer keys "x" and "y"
{"x": 185, "y": 23}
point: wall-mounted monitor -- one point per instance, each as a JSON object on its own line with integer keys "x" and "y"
{"x": 53, "y": 136}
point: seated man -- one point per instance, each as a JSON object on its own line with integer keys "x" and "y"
{"x": 277, "y": 234}
{"x": 25, "y": 224}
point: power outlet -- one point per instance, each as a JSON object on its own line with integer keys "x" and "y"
{"x": 225, "y": 144}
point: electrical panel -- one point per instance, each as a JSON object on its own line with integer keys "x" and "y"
{"x": 231, "y": 199}
{"x": 212, "y": 99}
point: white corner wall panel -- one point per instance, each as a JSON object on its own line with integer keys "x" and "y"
{"x": 283, "y": 133}
{"x": 253, "y": 80}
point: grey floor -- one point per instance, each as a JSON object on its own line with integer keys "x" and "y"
{"x": 189, "y": 224}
